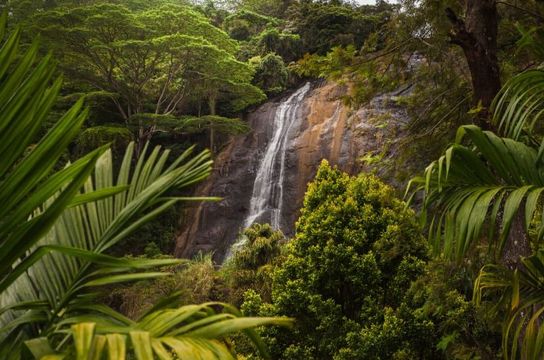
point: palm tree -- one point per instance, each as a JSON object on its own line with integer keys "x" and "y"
{"x": 479, "y": 190}
{"x": 57, "y": 289}
{"x": 70, "y": 258}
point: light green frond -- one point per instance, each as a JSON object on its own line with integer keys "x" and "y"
{"x": 192, "y": 332}
{"x": 518, "y": 108}
{"x": 521, "y": 295}
{"x": 27, "y": 95}
{"x": 69, "y": 260}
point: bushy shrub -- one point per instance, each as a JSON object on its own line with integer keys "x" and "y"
{"x": 94, "y": 137}
{"x": 194, "y": 282}
{"x": 271, "y": 74}
{"x": 435, "y": 321}
{"x": 356, "y": 250}
{"x": 252, "y": 264}
{"x": 199, "y": 280}
{"x": 239, "y": 29}
{"x": 285, "y": 44}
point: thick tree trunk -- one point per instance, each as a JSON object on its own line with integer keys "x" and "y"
{"x": 477, "y": 36}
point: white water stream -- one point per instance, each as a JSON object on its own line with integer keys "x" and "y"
{"x": 267, "y": 197}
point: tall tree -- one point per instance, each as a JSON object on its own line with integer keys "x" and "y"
{"x": 146, "y": 61}
{"x": 476, "y": 34}
{"x": 356, "y": 250}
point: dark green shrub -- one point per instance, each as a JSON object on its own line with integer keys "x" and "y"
{"x": 285, "y": 44}
{"x": 271, "y": 74}
{"x": 239, "y": 29}
{"x": 96, "y": 136}
{"x": 252, "y": 264}
{"x": 356, "y": 250}
{"x": 436, "y": 320}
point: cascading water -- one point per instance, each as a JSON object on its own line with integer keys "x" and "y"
{"x": 321, "y": 127}
{"x": 267, "y": 196}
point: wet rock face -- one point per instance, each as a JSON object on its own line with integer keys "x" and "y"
{"x": 366, "y": 139}
{"x": 213, "y": 226}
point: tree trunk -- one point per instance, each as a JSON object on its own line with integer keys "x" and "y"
{"x": 517, "y": 244}
{"x": 212, "y": 105}
{"x": 517, "y": 247}
{"x": 144, "y": 135}
{"x": 211, "y": 139}
{"x": 477, "y": 36}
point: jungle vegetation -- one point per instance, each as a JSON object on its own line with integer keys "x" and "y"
{"x": 111, "y": 112}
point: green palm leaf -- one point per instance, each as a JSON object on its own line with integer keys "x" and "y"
{"x": 468, "y": 187}
{"x": 192, "y": 332}
{"x": 478, "y": 190}
{"x": 521, "y": 294}
{"x": 26, "y": 177}
{"x": 69, "y": 260}
{"x": 518, "y": 107}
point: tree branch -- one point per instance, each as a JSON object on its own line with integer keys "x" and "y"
{"x": 527, "y": 11}
{"x": 459, "y": 34}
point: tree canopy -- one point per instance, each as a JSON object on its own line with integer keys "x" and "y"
{"x": 156, "y": 61}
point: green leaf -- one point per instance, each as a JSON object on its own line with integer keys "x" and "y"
{"x": 83, "y": 339}
{"x": 141, "y": 341}
{"x": 40, "y": 348}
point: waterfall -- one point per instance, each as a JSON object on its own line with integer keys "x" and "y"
{"x": 267, "y": 196}
{"x": 268, "y": 188}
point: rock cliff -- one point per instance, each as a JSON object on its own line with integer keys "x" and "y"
{"x": 291, "y": 135}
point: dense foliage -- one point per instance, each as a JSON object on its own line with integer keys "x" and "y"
{"x": 356, "y": 250}
{"x": 271, "y": 74}
{"x": 145, "y": 62}
{"x": 84, "y": 252}
{"x": 59, "y": 226}
{"x": 251, "y": 266}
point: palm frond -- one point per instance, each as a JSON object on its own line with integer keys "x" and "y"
{"x": 69, "y": 260}
{"x": 27, "y": 180}
{"x": 519, "y": 106}
{"x": 468, "y": 187}
{"x": 521, "y": 294}
{"x": 192, "y": 332}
